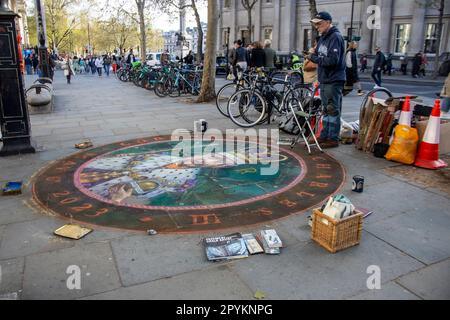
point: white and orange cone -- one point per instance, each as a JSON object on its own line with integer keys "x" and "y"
{"x": 406, "y": 114}
{"x": 428, "y": 154}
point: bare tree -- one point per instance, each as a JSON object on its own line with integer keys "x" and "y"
{"x": 248, "y": 6}
{"x": 313, "y": 12}
{"x": 208, "y": 90}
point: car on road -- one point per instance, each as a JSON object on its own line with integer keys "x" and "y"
{"x": 221, "y": 65}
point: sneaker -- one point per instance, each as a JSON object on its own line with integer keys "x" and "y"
{"x": 329, "y": 144}
{"x": 376, "y": 86}
{"x": 361, "y": 93}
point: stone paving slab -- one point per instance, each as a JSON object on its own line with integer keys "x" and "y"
{"x": 25, "y": 238}
{"x": 308, "y": 271}
{"x": 46, "y": 274}
{"x": 388, "y": 291}
{"x": 431, "y": 282}
{"x": 14, "y": 210}
{"x": 11, "y": 276}
{"x": 215, "y": 283}
{"x": 144, "y": 258}
{"x": 423, "y": 233}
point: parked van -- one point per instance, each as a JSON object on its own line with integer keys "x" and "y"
{"x": 154, "y": 58}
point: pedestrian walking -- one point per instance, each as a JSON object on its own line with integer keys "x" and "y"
{"x": 416, "y": 64}
{"x": 189, "y": 59}
{"x": 241, "y": 58}
{"x": 258, "y": 56}
{"x": 92, "y": 65}
{"x": 114, "y": 63}
{"x": 363, "y": 62}
{"x": 130, "y": 57}
{"x": 29, "y": 65}
{"x": 76, "y": 64}
{"x": 270, "y": 55}
{"x": 330, "y": 59}
{"x": 99, "y": 65}
{"x": 404, "y": 64}
{"x": 35, "y": 61}
{"x": 423, "y": 64}
{"x": 377, "y": 67}
{"x": 107, "y": 64}
{"x": 388, "y": 68}
{"x": 67, "y": 67}
{"x": 351, "y": 69}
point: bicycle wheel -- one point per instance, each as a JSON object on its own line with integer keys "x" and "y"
{"x": 250, "y": 105}
{"x": 162, "y": 88}
{"x": 223, "y": 96}
{"x": 175, "y": 89}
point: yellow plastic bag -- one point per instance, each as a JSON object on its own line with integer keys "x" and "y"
{"x": 404, "y": 146}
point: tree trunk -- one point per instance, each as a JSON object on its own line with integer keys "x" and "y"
{"x": 438, "y": 40}
{"x": 249, "y": 13}
{"x": 200, "y": 32}
{"x": 313, "y": 11}
{"x": 208, "y": 90}
{"x": 142, "y": 37}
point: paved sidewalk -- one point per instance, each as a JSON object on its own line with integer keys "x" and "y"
{"x": 407, "y": 236}
{"x": 406, "y": 79}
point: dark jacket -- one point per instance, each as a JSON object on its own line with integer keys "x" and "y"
{"x": 241, "y": 55}
{"x": 271, "y": 58}
{"x": 330, "y": 57}
{"x": 258, "y": 58}
{"x": 379, "y": 60}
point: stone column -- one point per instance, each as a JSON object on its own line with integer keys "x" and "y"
{"x": 417, "y": 36}
{"x": 290, "y": 24}
{"x": 233, "y": 28}
{"x": 386, "y": 21}
{"x": 276, "y": 25}
{"x": 365, "y": 44}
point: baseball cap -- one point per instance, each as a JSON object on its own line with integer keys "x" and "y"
{"x": 321, "y": 16}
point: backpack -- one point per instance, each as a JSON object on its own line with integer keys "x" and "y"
{"x": 288, "y": 124}
{"x": 383, "y": 60}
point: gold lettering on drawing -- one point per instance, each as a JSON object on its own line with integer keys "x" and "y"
{"x": 204, "y": 219}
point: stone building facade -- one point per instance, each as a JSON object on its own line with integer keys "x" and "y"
{"x": 405, "y": 26}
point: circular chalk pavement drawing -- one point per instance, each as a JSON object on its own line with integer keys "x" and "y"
{"x": 156, "y": 183}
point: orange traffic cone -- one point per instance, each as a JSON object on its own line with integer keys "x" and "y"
{"x": 428, "y": 155}
{"x": 406, "y": 114}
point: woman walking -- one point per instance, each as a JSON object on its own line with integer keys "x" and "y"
{"x": 351, "y": 69}
{"x": 68, "y": 68}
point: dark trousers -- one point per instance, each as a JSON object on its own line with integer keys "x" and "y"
{"x": 376, "y": 76}
{"x": 331, "y": 96}
{"x": 68, "y": 78}
{"x": 403, "y": 69}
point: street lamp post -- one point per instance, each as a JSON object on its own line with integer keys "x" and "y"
{"x": 350, "y": 32}
{"x": 14, "y": 118}
{"x": 42, "y": 50}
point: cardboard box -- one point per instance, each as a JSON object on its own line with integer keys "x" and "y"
{"x": 444, "y": 139}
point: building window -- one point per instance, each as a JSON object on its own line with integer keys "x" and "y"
{"x": 402, "y": 34}
{"x": 245, "y": 37}
{"x": 227, "y": 4}
{"x": 226, "y": 39}
{"x": 430, "y": 38}
{"x": 268, "y": 34}
{"x": 307, "y": 39}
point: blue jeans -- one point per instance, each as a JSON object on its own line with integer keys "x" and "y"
{"x": 29, "y": 68}
{"x": 331, "y": 95}
{"x": 107, "y": 68}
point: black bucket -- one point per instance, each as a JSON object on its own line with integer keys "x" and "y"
{"x": 380, "y": 149}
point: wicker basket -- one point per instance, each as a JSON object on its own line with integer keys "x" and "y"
{"x": 336, "y": 235}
